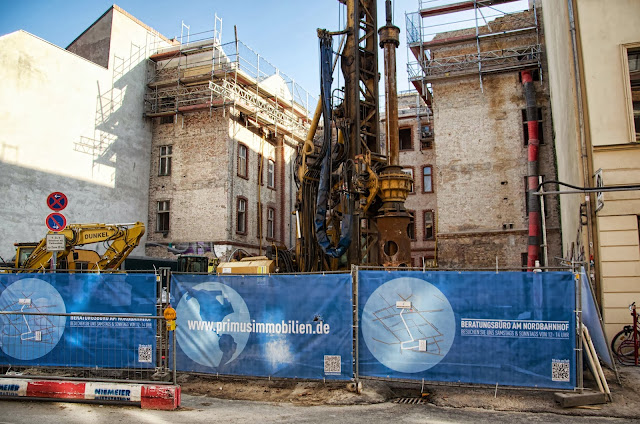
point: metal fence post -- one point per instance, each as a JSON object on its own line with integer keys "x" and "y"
{"x": 173, "y": 354}
{"x": 354, "y": 290}
{"x": 578, "y": 302}
{"x": 164, "y": 294}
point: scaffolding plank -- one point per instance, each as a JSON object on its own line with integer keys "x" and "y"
{"x": 458, "y": 7}
{"x": 164, "y": 55}
{"x": 473, "y": 70}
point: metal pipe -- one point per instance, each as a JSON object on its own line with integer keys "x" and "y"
{"x": 545, "y": 249}
{"x": 585, "y": 145}
{"x": 532, "y": 169}
{"x": 389, "y": 41}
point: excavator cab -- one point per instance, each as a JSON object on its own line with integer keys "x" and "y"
{"x": 23, "y": 251}
{"x": 193, "y": 263}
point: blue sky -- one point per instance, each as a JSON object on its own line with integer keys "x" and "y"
{"x": 283, "y": 31}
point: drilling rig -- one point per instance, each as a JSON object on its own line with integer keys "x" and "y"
{"x": 350, "y": 200}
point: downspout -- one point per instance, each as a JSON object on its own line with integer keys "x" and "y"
{"x": 533, "y": 247}
{"x": 585, "y": 149}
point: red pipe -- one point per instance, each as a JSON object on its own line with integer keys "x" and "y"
{"x": 533, "y": 247}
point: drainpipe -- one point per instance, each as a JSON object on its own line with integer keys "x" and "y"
{"x": 532, "y": 170}
{"x": 585, "y": 149}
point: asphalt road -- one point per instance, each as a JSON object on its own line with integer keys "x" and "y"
{"x": 201, "y": 409}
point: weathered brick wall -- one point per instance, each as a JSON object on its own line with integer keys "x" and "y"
{"x": 480, "y": 250}
{"x": 413, "y": 115}
{"x": 481, "y": 170}
{"x": 204, "y": 185}
{"x": 198, "y": 182}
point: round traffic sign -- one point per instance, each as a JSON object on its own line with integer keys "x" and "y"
{"x": 57, "y": 201}
{"x": 56, "y": 222}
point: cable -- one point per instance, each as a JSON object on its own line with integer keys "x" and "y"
{"x": 592, "y": 189}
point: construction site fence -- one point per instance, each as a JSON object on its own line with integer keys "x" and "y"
{"x": 82, "y": 326}
{"x": 451, "y": 327}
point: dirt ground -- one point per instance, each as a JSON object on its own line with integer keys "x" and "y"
{"x": 626, "y": 397}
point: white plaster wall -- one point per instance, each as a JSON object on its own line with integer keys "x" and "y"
{"x": 51, "y": 99}
{"x": 604, "y": 28}
{"x": 561, "y": 77}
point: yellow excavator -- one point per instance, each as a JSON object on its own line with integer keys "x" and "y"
{"x": 120, "y": 240}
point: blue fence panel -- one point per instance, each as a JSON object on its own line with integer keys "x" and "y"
{"x": 591, "y": 319}
{"x": 294, "y": 326}
{"x": 52, "y": 340}
{"x": 515, "y": 329}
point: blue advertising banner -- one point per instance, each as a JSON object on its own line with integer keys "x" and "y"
{"x": 515, "y": 329}
{"x": 295, "y": 326}
{"x": 77, "y": 341}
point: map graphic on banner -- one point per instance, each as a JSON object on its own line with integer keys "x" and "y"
{"x": 408, "y": 325}
{"x": 36, "y": 331}
{"x": 512, "y": 328}
{"x": 206, "y": 309}
{"x": 27, "y": 337}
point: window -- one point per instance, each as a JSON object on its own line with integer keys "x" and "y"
{"x": 633, "y": 60}
{"x": 271, "y": 174}
{"x": 410, "y": 172}
{"x": 405, "y": 139}
{"x": 243, "y": 155}
{"x": 162, "y": 217}
{"x": 524, "y": 260}
{"x": 164, "y": 167}
{"x": 427, "y": 179}
{"x": 411, "y": 228}
{"x": 166, "y": 119}
{"x": 241, "y": 216}
{"x": 525, "y": 128}
{"x": 271, "y": 218}
{"x": 428, "y": 225}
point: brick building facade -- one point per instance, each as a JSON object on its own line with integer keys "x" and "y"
{"x": 480, "y": 145}
{"x": 223, "y": 146}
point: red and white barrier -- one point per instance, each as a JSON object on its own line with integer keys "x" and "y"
{"x": 149, "y": 396}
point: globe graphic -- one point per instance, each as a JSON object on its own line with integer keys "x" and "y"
{"x": 28, "y": 337}
{"x": 201, "y": 330}
{"x": 408, "y": 325}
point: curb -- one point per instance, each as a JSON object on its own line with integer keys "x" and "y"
{"x": 148, "y": 396}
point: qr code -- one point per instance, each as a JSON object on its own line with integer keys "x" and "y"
{"x": 144, "y": 353}
{"x": 332, "y": 364}
{"x": 560, "y": 370}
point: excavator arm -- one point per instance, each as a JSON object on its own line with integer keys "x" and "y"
{"x": 120, "y": 238}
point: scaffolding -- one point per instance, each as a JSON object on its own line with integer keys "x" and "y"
{"x": 206, "y": 75}
{"x": 456, "y": 39}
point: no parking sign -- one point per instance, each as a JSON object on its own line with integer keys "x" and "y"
{"x": 56, "y": 222}
{"x": 57, "y": 201}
